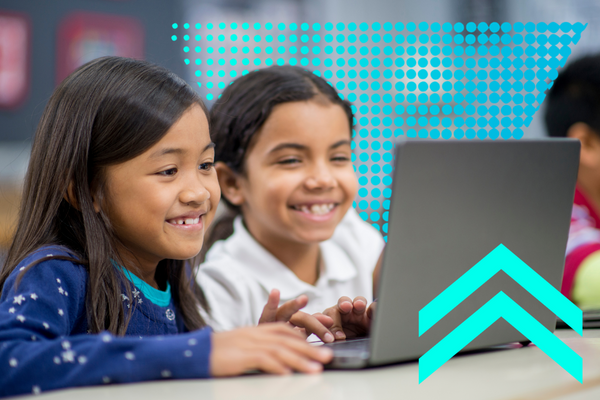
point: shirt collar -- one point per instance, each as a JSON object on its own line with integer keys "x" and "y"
{"x": 273, "y": 274}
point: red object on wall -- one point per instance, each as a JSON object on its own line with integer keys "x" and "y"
{"x": 84, "y": 36}
{"x": 15, "y": 33}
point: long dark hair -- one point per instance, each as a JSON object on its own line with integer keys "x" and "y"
{"x": 108, "y": 111}
{"x": 243, "y": 108}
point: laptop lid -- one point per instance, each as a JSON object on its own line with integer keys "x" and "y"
{"x": 452, "y": 204}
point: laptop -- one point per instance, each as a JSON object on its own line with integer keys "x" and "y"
{"x": 453, "y": 203}
{"x": 591, "y": 320}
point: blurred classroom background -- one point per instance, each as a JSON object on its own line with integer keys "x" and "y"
{"x": 42, "y": 41}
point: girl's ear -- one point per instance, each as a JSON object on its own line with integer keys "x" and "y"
{"x": 96, "y": 204}
{"x": 230, "y": 184}
{"x": 70, "y": 198}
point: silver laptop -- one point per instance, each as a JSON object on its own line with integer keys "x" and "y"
{"x": 452, "y": 204}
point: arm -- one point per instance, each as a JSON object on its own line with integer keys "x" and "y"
{"x": 38, "y": 351}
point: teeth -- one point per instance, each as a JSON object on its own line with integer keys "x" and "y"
{"x": 318, "y": 209}
{"x": 188, "y": 221}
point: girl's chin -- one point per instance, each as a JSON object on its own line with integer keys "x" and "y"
{"x": 185, "y": 254}
{"x": 314, "y": 236}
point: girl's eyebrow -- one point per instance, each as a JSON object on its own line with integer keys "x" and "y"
{"x": 171, "y": 150}
{"x": 340, "y": 143}
{"x": 298, "y": 146}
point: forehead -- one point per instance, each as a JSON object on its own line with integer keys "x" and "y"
{"x": 190, "y": 132}
{"x": 308, "y": 122}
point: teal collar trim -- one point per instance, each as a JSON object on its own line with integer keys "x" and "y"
{"x": 157, "y": 297}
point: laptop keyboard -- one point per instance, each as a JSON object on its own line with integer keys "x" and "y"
{"x": 353, "y": 345}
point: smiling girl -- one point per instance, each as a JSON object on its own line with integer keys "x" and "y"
{"x": 283, "y": 151}
{"x": 96, "y": 286}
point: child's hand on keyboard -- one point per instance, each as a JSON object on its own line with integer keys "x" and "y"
{"x": 290, "y": 312}
{"x": 351, "y": 318}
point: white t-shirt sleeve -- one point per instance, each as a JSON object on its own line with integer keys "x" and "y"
{"x": 361, "y": 241}
{"x": 227, "y": 299}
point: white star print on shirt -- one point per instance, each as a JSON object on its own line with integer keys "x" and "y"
{"x": 57, "y": 280}
{"x": 12, "y": 310}
{"x": 21, "y": 318}
{"x": 68, "y": 356}
{"x": 61, "y": 312}
{"x": 61, "y": 290}
{"x": 46, "y": 325}
{"x": 19, "y": 299}
{"x": 34, "y": 296}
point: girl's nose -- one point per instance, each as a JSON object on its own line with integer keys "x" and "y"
{"x": 195, "y": 192}
{"x": 320, "y": 179}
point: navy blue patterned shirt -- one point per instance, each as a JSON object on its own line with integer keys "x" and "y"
{"x": 44, "y": 340}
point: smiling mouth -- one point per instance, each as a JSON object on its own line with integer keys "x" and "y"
{"x": 316, "y": 209}
{"x": 186, "y": 221}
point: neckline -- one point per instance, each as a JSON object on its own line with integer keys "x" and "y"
{"x": 156, "y": 296}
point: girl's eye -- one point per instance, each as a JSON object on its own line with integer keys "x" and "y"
{"x": 340, "y": 158}
{"x": 289, "y": 161}
{"x": 206, "y": 166}
{"x": 168, "y": 172}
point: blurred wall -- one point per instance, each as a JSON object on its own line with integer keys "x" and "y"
{"x": 155, "y": 17}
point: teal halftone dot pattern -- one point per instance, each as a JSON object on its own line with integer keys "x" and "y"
{"x": 405, "y": 80}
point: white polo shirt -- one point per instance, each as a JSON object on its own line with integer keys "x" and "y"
{"x": 239, "y": 273}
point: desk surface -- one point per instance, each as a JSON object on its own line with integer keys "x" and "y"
{"x": 523, "y": 373}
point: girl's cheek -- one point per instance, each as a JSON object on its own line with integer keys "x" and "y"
{"x": 215, "y": 193}
{"x": 349, "y": 181}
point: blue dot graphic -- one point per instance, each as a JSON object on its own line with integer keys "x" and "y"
{"x": 434, "y": 80}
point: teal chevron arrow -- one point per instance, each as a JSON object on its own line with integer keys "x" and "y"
{"x": 500, "y": 259}
{"x": 501, "y": 306}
